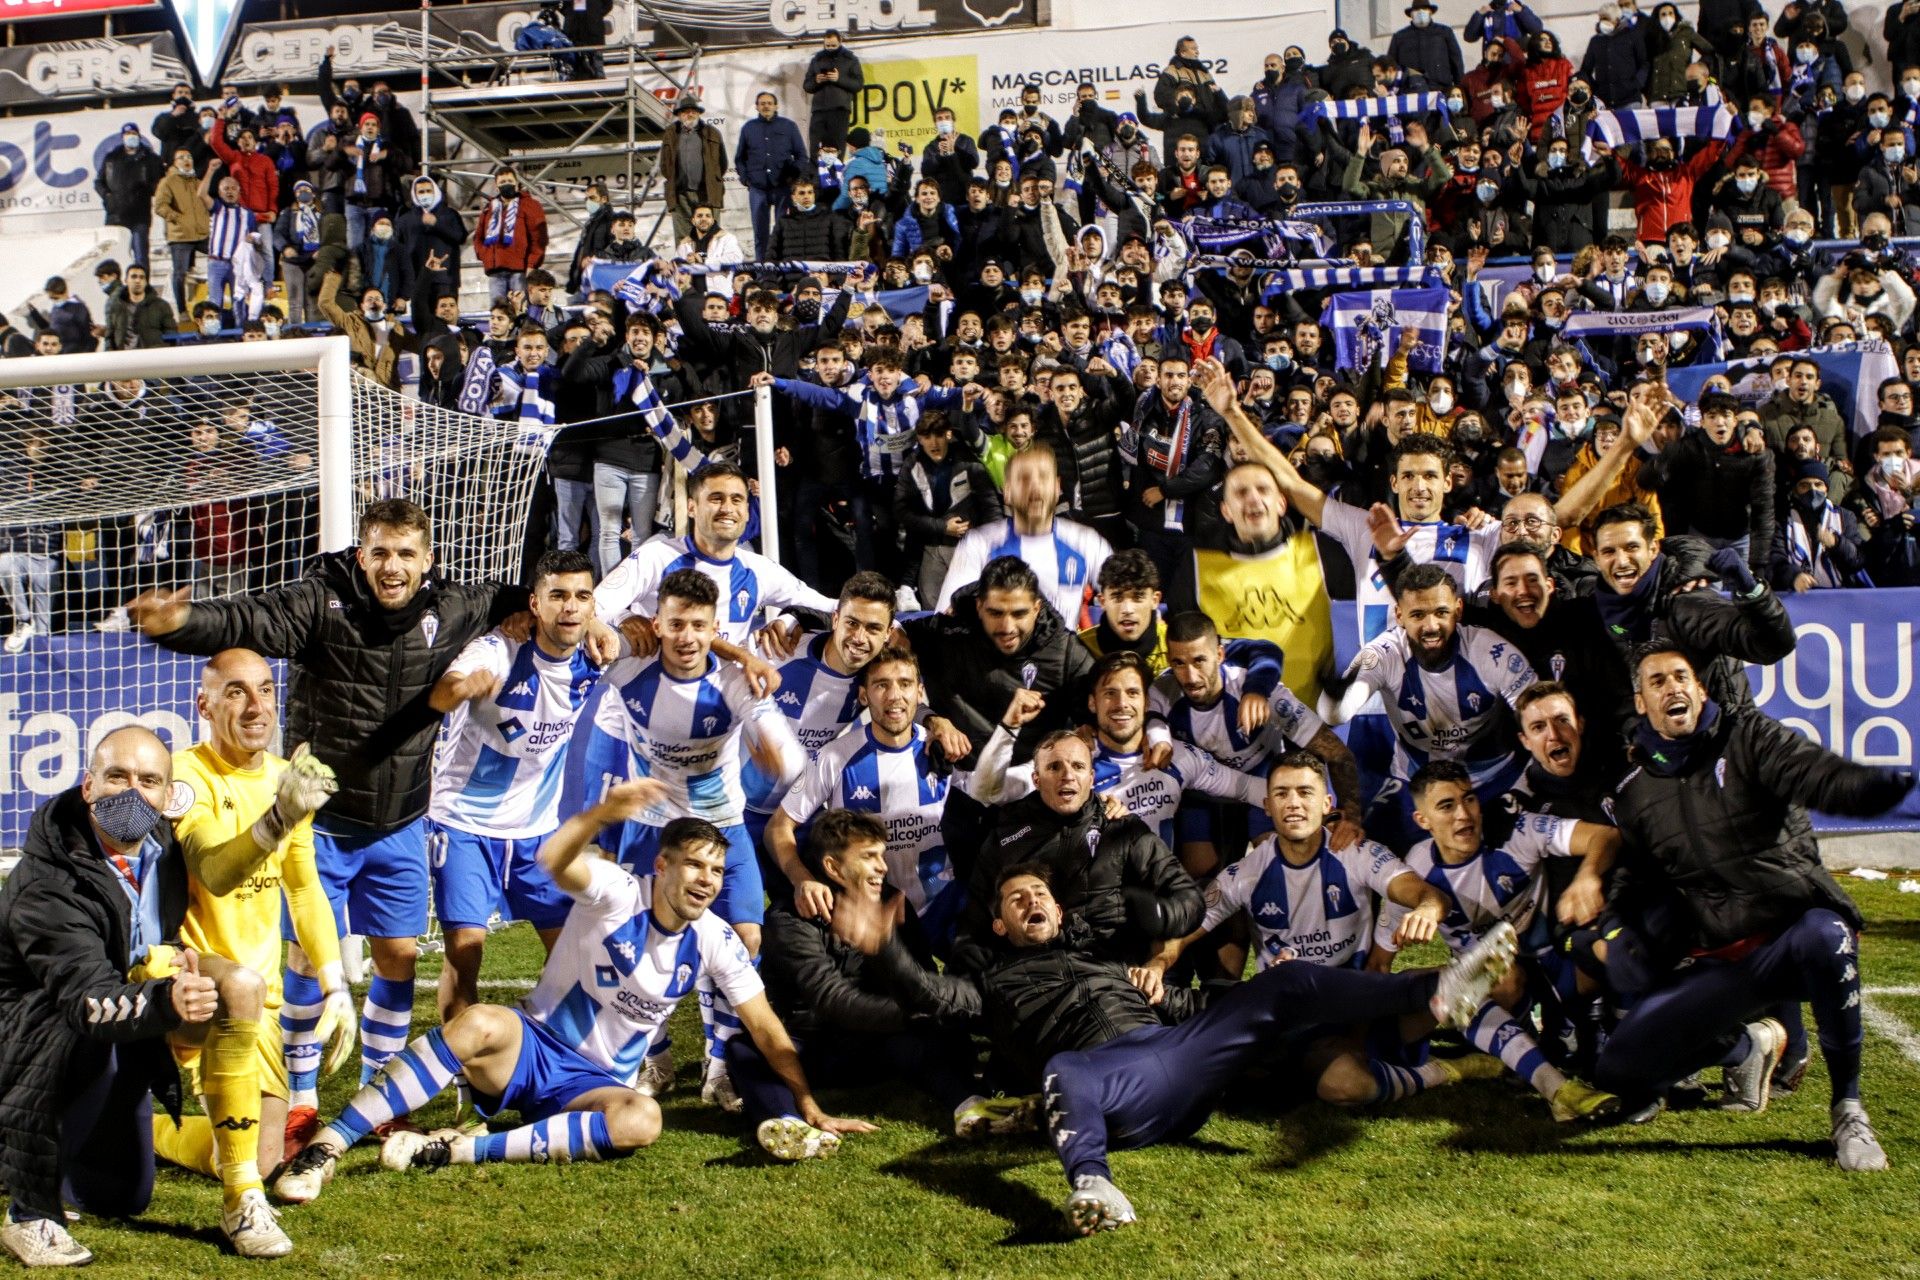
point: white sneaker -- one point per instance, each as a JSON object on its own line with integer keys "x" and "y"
{"x": 1465, "y": 984}
{"x": 397, "y": 1152}
{"x": 717, "y": 1090}
{"x": 254, "y": 1228}
{"x": 791, "y": 1139}
{"x": 1097, "y": 1205}
{"x": 656, "y": 1076}
{"x": 1749, "y": 1084}
{"x": 17, "y": 639}
{"x": 117, "y": 620}
{"x": 1855, "y": 1147}
{"x": 306, "y": 1174}
{"x": 43, "y": 1242}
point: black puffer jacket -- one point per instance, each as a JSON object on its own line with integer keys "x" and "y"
{"x": 358, "y": 693}
{"x": 65, "y": 1001}
{"x": 1087, "y": 447}
{"x": 813, "y": 235}
{"x": 1113, "y": 873}
{"x": 819, "y": 984}
{"x": 1729, "y": 836}
{"x": 971, "y": 682}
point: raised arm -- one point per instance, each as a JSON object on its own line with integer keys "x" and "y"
{"x": 560, "y": 852}
{"x": 1217, "y": 385}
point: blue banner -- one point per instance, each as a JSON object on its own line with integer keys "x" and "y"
{"x": 1850, "y": 372}
{"x": 1849, "y": 685}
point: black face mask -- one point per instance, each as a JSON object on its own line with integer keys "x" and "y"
{"x": 1183, "y": 105}
{"x": 1294, "y": 65}
{"x": 509, "y": 192}
{"x": 1289, "y": 190}
{"x": 807, "y": 311}
{"x": 1578, "y": 97}
{"x": 1324, "y": 474}
{"x": 1810, "y": 503}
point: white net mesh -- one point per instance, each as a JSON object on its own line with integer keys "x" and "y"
{"x": 203, "y": 482}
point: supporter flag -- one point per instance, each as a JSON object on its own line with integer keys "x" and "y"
{"x": 1643, "y": 124}
{"x": 1367, "y": 326}
{"x": 901, "y": 303}
{"x": 632, "y": 288}
{"x": 476, "y": 389}
{"x": 1850, "y": 372}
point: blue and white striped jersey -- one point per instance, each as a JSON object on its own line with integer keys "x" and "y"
{"x": 1492, "y": 885}
{"x": 748, "y": 583}
{"x": 1460, "y": 712}
{"x": 897, "y": 785}
{"x": 501, "y": 761}
{"x": 648, "y": 724}
{"x": 1321, "y": 913}
{"x": 1153, "y": 795}
{"x": 615, "y": 975}
{"x": 1066, "y": 559}
{"x": 819, "y": 703}
{"x": 1466, "y": 554}
{"x": 1216, "y": 729}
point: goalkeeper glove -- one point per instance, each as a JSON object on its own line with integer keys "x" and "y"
{"x": 337, "y": 1028}
{"x": 305, "y": 785}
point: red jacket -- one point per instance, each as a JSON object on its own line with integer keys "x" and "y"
{"x": 1478, "y": 83}
{"x": 1543, "y": 87}
{"x": 259, "y": 180}
{"x": 528, "y": 247}
{"x": 1664, "y": 197}
{"x": 1776, "y": 147}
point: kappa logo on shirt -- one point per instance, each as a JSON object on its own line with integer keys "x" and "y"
{"x": 789, "y": 699}
{"x": 861, "y": 792}
{"x": 1271, "y": 909}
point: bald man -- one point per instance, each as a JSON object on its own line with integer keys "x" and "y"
{"x": 245, "y": 826}
{"x": 90, "y": 984}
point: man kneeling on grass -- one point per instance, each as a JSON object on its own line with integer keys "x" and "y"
{"x": 568, "y": 1059}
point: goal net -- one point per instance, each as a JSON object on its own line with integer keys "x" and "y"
{"x": 220, "y": 469}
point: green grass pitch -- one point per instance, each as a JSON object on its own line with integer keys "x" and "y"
{"x": 1469, "y": 1181}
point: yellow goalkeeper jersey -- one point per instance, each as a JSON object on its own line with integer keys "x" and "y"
{"x": 244, "y": 924}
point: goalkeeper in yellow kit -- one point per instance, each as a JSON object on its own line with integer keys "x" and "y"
{"x": 248, "y": 838}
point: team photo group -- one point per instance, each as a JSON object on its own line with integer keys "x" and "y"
{"x": 1214, "y": 543}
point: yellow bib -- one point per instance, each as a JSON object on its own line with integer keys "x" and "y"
{"x": 1280, "y": 596}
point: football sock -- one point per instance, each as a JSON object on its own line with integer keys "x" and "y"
{"x": 409, "y": 1080}
{"x": 561, "y": 1139}
{"x": 188, "y": 1144}
{"x": 300, "y": 1007}
{"x": 1394, "y": 1083}
{"x": 230, "y": 1080}
{"x": 385, "y": 1020}
{"x": 1494, "y": 1031}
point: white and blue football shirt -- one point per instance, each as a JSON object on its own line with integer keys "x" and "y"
{"x": 897, "y": 785}
{"x": 1321, "y": 912}
{"x": 614, "y": 975}
{"x": 1153, "y": 795}
{"x": 501, "y": 761}
{"x": 1466, "y": 554}
{"x": 1066, "y": 559}
{"x": 1459, "y": 712}
{"x": 648, "y": 724}
{"x": 748, "y": 583}
{"x": 1494, "y": 884}
{"x": 818, "y": 702}
{"x": 1250, "y": 667}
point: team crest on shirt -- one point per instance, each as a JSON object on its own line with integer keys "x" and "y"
{"x": 707, "y": 723}
{"x": 1028, "y": 673}
{"x": 430, "y": 626}
{"x": 1093, "y": 843}
{"x": 1333, "y": 898}
{"x": 1559, "y": 665}
{"x": 740, "y": 603}
{"x": 682, "y": 976}
{"x": 1720, "y": 772}
{"x": 1473, "y": 702}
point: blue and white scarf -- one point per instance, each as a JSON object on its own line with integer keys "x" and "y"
{"x": 831, "y": 174}
{"x": 527, "y": 398}
{"x": 503, "y": 221}
{"x": 1348, "y": 277}
{"x": 360, "y": 164}
{"x": 1807, "y": 554}
{"x": 1399, "y": 104}
{"x": 1216, "y": 236}
{"x": 476, "y": 388}
{"x": 674, "y": 438}
{"x": 1583, "y": 324}
{"x": 633, "y": 289}
{"x": 1641, "y": 125}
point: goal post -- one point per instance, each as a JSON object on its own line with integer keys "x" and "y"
{"x": 223, "y": 469}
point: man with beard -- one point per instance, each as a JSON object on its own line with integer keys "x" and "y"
{"x": 1446, "y": 689}
{"x": 1066, "y": 556}
{"x": 1728, "y": 908}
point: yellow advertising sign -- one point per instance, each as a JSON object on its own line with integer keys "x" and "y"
{"x": 902, "y": 94}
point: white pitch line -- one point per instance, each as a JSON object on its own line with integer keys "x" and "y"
{"x": 1886, "y": 1025}
{"x": 1890, "y": 991}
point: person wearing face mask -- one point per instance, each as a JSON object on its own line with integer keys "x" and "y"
{"x": 594, "y": 235}
{"x": 431, "y": 225}
{"x": 100, "y": 894}
{"x": 1616, "y": 61}
{"x": 1672, "y": 45}
{"x": 1662, "y": 188}
{"x": 1499, "y": 20}
{"x": 1499, "y": 69}
{"x": 297, "y": 232}
{"x": 1563, "y": 188}
{"x": 1349, "y": 66}
{"x": 176, "y": 199}
{"x": 1543, "y": 82}
{"x": 509, "y": 236}
{"x": 1818, "y": 543}
{"x": 1280, "y": 97}
{"x": 1889, "y": 183}
{"x": 1427, "y": 47}
{"x": 1774, "y": 145}
{"x": 1836, "y": 158}
{"x": 125, "y": 183}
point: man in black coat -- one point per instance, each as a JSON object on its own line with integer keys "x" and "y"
{"x": 1001, "y": 641}
{"x": 125, "y": 184}
{"x": 593, "y": 238}
{"x": 1126, "y": 1063}
{"x": 1113, "y": 873}
{"x": 833, "y": 81}
{"x": 370, "y": 632}
{"x": 1710, "y": 485}
{"x": 1726, "y": 906}
{"x": 855, "y": 995}
{"x": 90, "y": 984}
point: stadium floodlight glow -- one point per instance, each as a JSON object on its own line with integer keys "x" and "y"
{"x": 208, "y": 26}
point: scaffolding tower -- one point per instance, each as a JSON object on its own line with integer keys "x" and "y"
{"x": 524, "y": 108}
